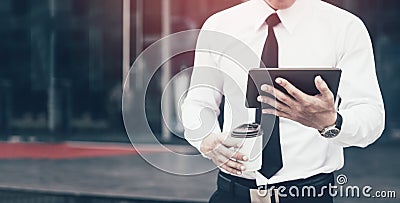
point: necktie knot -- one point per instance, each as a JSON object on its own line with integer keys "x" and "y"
{"x": 273, "y": 20}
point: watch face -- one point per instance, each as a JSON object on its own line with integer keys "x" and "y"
{"x": 332, "y": 133}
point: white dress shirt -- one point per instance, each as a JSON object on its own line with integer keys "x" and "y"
{"x": 312, "y": 34}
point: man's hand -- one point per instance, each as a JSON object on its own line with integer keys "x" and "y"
{"x": 313, "y": 111}
{"x": 217, "y": 148}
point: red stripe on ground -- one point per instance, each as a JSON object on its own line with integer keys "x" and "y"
{"x": 59, "y": 151}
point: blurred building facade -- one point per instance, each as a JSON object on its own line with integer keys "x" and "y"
{"x": 61, "y": 61}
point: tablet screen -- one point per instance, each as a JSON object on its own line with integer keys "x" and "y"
{"x": 302, "y": 78}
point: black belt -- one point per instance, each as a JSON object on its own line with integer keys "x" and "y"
{"x": 241, "y": 187}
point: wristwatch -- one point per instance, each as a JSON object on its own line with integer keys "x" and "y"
{"x": 334, "y": 130}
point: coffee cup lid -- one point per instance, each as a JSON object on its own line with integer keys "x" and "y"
{"x": 247, "y": 130}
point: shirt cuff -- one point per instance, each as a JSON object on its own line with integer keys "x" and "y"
{"x": 347, "y": 131}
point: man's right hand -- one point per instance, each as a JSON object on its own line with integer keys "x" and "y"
{"x": 218, "y": 147}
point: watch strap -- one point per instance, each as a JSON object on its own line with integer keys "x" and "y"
{"x": 337, "y": 125}
{"x": 339, "y": 121}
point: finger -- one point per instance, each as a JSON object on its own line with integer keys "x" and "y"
{"x": 232, "y": 142}
{"x": 322, "y": 87}
{"x": 230, "y": 154}
{"x": 275, "y": 104}
{"x": 235, "y": 165}
{"x": 277, "y": 113}
{"x": 292, "y": 90}
{"x": 267, "y": 100}
{"x": 279, "y": 95}
{"x": 268, "y": 89}
{"x": 230, "y": 170}
{"x": 225, "y": 160}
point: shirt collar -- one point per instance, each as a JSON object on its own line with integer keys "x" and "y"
{"x": 290, "y": 17}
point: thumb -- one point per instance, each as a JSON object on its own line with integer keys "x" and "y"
{"x": 229, "y": 141}
{"x": 322, "y": 86}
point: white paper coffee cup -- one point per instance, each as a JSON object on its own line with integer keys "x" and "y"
{"x": 250, "y": 137}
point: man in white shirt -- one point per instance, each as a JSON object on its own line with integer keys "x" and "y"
{"x": 310, "y": 33}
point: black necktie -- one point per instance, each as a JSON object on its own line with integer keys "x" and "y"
{"x": 272, "y": 155}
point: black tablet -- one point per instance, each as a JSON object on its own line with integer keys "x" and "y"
{"x": 302, "y": 78}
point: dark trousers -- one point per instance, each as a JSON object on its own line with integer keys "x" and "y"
{"x": 236, "y": 192}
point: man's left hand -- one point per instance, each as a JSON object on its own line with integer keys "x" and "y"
{"x": 313, "y": 111}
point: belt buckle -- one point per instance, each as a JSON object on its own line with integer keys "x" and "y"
{"x": 260, "y": 195}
